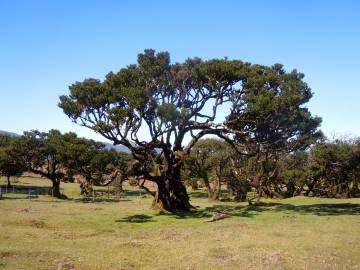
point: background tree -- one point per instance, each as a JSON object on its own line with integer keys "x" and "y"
{"x": 334, "y": 168}
{"x": 205, "y": 164}
{"x": 90, "y": 159}
{"x": 237, "y": 173}
{"x": 11, "y": 163}
{"x": 188, "y": 178}
{"x": 294, "y": 171}
{"x": 41, "y": 153}
{"x": 215, "y": 163}
{"x": 271, "y": 120}
{"x": 57, "y": 157}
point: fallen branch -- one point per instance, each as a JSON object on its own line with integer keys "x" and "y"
{"x": 217, "y": 217}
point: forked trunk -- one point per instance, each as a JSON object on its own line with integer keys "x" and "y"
{"x": 171, "y": 194}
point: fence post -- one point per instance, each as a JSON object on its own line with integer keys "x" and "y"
{"x": 29, "y": 193}
{"x": 93, "y": 193}
{"x": 0, "y": 192}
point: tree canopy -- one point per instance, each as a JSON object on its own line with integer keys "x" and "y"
{"x": 152, "y": 106}
{"x": 58, "y": 157}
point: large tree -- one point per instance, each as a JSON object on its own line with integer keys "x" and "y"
{"x": 160, "y": 110}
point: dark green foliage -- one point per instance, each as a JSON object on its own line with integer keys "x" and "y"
{"x": 294, "y": 173}
{"x": 328, "y": 169}
{"x": 270, "y": 120}
{"x": 335, "y": 169}
{"x": 43, "y": 154}
{"x": 92, "y": 160}
{"x": 11, "y": 163}
{"x": 60, "y": 157}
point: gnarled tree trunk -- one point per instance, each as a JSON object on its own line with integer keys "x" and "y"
{"x": 171, "y": 194}
{"x": 54, "y": 190}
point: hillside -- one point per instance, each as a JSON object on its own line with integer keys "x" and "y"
{"x": 7, "y": 133}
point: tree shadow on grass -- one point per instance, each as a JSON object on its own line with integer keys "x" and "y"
{"x": 136, "y": 219}
{"x": 336, "y": 209}
{"x": 251, "y": 211}
{"x": 325, "y": 209}
{"x": 237, "y": 211}
{"x": 185, "y": 215}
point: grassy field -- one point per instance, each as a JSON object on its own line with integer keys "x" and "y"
{"x": 123, "y": 233}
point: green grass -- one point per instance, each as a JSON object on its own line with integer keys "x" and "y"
{"x": 298, "y": 233}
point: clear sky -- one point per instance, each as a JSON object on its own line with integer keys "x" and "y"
{"x": 47, "y": 45}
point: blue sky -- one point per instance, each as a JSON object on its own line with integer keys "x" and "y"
{"x": 47, "y": 45}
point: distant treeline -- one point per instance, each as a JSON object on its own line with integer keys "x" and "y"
{"x": 325, "y": 169}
